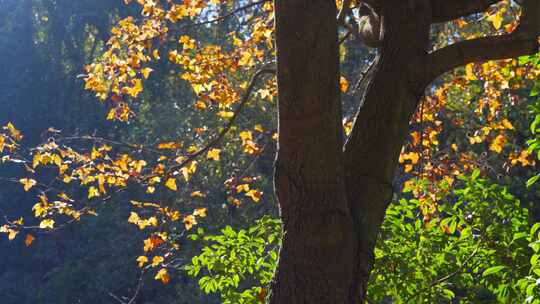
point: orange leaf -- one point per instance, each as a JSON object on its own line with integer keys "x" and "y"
{"x": 29, "y": 240}
{"x": 163, "y": 276}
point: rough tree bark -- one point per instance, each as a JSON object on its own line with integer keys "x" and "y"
{"x": 332, "y": 195}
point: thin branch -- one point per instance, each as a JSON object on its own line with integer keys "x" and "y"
{"x": 227, "y": 15}
{"x": 344, "y": 11}
{"x": 112, "y": 295}
{"x": 345, "y": 37}
{"x": 139, "y": 286}
{"x": 111, "y": 142}
{"x": 447, "y": 10}
{"x": 212, "y": 143}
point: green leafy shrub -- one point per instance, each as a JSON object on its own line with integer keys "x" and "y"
{"x": 238, "y": 264}
{"x": 473, "y": 249}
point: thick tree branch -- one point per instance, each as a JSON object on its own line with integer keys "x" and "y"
{"x": 479, "y": 50}
{"x": 447, "y": 10}
{"x": 523, "y": 41}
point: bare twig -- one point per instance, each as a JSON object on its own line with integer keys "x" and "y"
{"x": 212, "y": 143}
{"x": 227, "y": 15}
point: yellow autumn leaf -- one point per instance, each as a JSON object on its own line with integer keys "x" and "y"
{"x": 246, "y": 59}
{"x": 498, "y": 143}
{"x": 142, "y": 260}
{"x": 16, "y": 134}
{"x": 265, "y": 94}
{"x": 246, "y": 135}
{"x": 169, "y": 146}
{"x": 412, "y": 156}
{"x": 152, "y": 221}
{"x": 29, "y": 240}
{"x": 19, "y": 221}
{"x": 200, "y": 212}
{"x": 197, "y": 194}
{"x": 64, "y": 196}
{"x": 157, "y": 260}
{"x": 134, "y": 218}
{"x": 469, "y": 72}
{"x": 146, "y": 72}
{"x": 163, "y": 276}
{"x": 254, "y": 195}
{"x": 12, "y": 234}
{"x": 171, "y": 184}
{"x": 496, "y": 20}
{"x": 27, "y": 183}
{"x": 200, "y": 105}
{"x": 214, "y": 154}
{"x": 242, "y": 187}
{"x": 47, "y": 223}
{"x": 507, "y": 124}
{"x": 189, "y": 222}
{"x": 343, "y": 84}
{"x": 225, "y": 114}
{"x": 93, "y": 192}
{"x": 475, "y": 139}
{"x": 152, "y": 243}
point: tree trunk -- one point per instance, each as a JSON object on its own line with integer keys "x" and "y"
{"x": 317, "y": 251}
{"x": 333, "y": 196}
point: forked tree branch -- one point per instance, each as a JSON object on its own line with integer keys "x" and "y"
{"x": 447, "y": 10}
{"x": 523, "y": 41}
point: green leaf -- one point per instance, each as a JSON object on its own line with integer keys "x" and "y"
{"x": 534, "y": 229}
{"x": 475, "y": 174}
{"x": 532, "y": 180}
{"x": 448, "y": 294}
{"x": 492, "y": 270}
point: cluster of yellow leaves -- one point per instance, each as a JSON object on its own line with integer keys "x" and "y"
{"x": 525, "y": 158}
{"x": 12, "y": 232}
{"x": 142, "y": 223}
{"x": 45, "y": 208}
{"x": 487, "y": 125}
{"x": 409, "y": 160}
{"x": 211, "y": 70}
{"x": 242, "y": 186}
{"x": 250, "y": 146}
{"x": 9, "y": 138}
